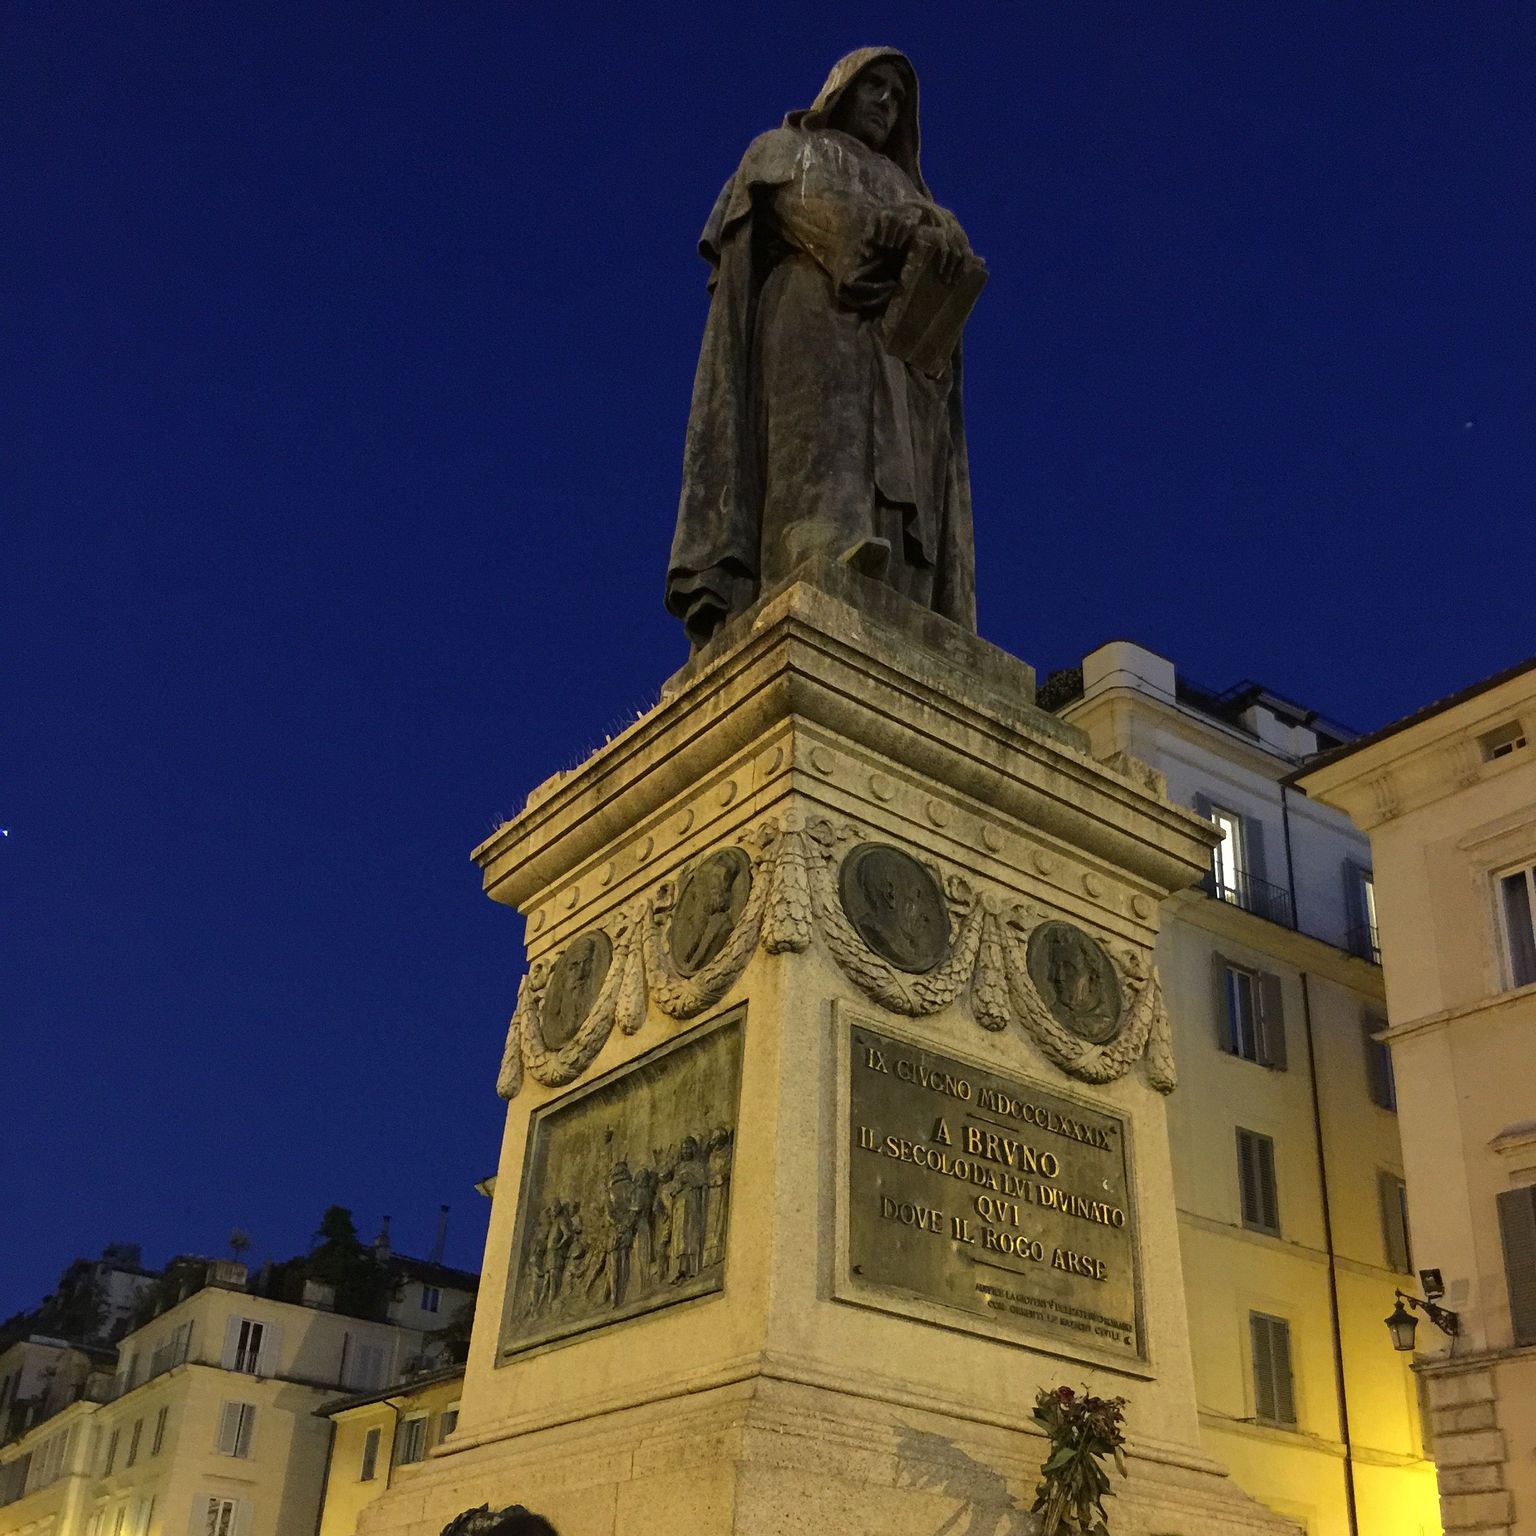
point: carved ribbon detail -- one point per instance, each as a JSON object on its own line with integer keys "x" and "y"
{"x": 793, "y": 895}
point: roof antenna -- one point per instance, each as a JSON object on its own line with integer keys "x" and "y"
{"x": 441, "y": 1244}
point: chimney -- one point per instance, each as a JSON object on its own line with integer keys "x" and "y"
{"x": 441, "y": 1245}
{"x": 381, "y": 1242}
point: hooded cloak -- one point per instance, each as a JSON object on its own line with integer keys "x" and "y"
{"x": 807, "y": 437}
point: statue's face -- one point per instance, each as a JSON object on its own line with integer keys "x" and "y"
{"x": 870, "y": 106}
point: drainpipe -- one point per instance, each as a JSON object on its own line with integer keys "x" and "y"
{"x": 394, "y": 1436}
{"x": 1333, "y": 1266}
{"x": 1290, "y": 863}
{"x": 325, "y": 1475}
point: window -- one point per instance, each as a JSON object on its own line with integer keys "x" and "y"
{"x": 1393, "y": 1198}
{"x": 413, "y": 1441}
{"x": 1250, "y": 1014}
{"x": 1256, "y": 1182}
{"x": 236, "y": 1422}
{"x": 159, "y": 1439}
{"x": 1517, "y": 902}
{"x": 220, "y": 1516}
{"x": 363, "y": 1365}
{"x": 1274, "y": 1395}
{"x": 106, "y": 1470}
{"x": 1228, "y": 866}
{"x": 370, "y": 1467}
{"x": 133, "y": 1442}
{"x": 431, "y": 1297}
{"x": 1501, "y": 742}
{"x": 1517, "y": 1228}
{"x": 120, "y": 1520}
{"x": 248, "y": 1340}
{"x": 145, "y": 1514}
{"x": 1379, "y": 1076}
{"x": 448, "y": 1422}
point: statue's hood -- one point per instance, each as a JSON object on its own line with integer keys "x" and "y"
{"x": 905, "y": 142}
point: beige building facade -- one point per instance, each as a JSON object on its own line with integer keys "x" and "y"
{"x": 1448, "y": 798}
{"x": 209, "y": 1425}
{"x": 1287, "y": 1159}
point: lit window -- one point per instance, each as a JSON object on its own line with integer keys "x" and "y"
{"x": 1227, "y": 863}
{"x": 1517, "y": 902}
{"x": 1274, "y": 1393}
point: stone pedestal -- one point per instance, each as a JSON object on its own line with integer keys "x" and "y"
{"x": 837, "y": 1108}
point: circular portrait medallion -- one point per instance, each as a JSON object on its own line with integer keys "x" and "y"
{"x": 574, "y": 983}
{"x": 1077, "y": 980}
{"x": 709, "y": 903}
{"x": 895, "y": 906}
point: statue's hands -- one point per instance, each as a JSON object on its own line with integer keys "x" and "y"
{"x": 952, "y": 248}
{"x": 893, "y": 228}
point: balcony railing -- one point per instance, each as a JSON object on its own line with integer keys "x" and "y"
{"x": 1272, "y": 902}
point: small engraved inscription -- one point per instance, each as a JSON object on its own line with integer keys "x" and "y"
{"x": 895, "y": 906}
{"x": 1076, "y": 979}
{"x": 988, "y": 1195}
{"x": 626, "y": 1191}
{"x": 709, "y": 905}
{"x": 574, "y": 983}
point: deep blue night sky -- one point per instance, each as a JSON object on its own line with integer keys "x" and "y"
{"x": 346, "y": 355}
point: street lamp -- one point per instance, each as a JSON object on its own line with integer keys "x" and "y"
{"x": 1402, "y": 1324}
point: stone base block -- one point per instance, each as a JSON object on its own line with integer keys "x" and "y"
{"x": 765, "y": 1457}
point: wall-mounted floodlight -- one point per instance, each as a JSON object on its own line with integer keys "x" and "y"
{"x": 1402, "y": 1324}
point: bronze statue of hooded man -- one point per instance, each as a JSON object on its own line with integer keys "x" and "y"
{"x": 809, "y": 436}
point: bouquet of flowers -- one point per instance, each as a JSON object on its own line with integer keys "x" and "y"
{"x": 1073, "y": 1484}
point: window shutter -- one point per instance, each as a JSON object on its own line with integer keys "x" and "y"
{"x": 1263, "y": 1367}
{"x": 1221, "y": 1004}
{"x": 229, "y": 1429}
{"x": 1391, "y": 1242}
{"x": 1253, "y": 850}
{"x": 1354, "y": 896}
{"x": 1269, "y": 1194}
{"x": 271, "y": 1354}
{"x": 1375, "y": 1061}
{"x": 1517, "y": 1227}
{"x": 1272, "y": 1020}
{"x": 1280, "y": 1357}
{"x": 246, "y": 1428}
{"x": 1247, "y": 1178}
{"x": 231, "y": 1343}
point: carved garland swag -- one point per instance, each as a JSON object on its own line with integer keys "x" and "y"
{"x": 793, "y": 895}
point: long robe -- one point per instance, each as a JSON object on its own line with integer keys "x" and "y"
{"x": 807, "y": 437}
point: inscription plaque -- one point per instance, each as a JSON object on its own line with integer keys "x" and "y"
{"x": 626, "y": 1191}
{"x": 990, "y": 1196}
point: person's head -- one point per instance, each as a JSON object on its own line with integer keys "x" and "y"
{"x": 870, "y": 106}
{"x": 513, "y": 1521}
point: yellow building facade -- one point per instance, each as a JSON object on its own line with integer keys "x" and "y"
{"x": 1448, "y": 797}
{"x": 381, "y": 1439}
{"x": 1287, "y": 1158}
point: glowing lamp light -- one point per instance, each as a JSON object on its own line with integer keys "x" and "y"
{"x": 1402, "y": 1325}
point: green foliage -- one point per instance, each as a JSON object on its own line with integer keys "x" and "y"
{"x": 453, "y": 1336}
{"x": 182, "y": 1276}
{"x": 1073, "y": 1484}
{"x": 364, "y": 1286}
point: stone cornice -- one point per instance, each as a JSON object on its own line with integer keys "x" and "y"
{"x": 959, "y": 716}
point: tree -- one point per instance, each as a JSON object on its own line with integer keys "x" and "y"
{"x": 339, "y": 1258}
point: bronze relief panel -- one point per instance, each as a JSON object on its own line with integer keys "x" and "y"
{"x": 574, "y": 982}
{"x": 1076, "y": 980}
{"x": 626, "y": 1189}
{"x": 895, "y": 905}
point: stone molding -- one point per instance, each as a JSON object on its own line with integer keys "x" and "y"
{"x": 794, "y": 898}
